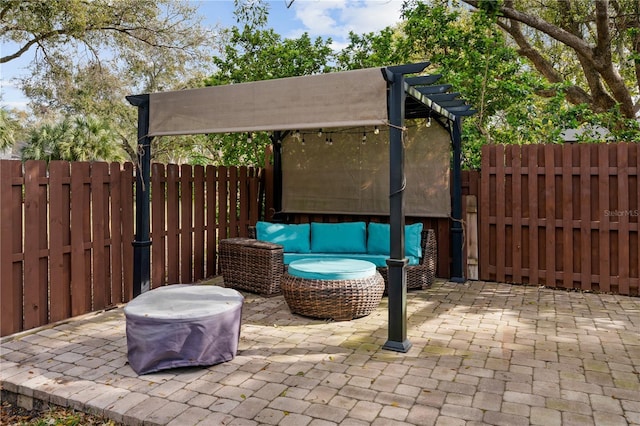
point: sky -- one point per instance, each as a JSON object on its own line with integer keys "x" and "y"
{"x": 318, "y": 18}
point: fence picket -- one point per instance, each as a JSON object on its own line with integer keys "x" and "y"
{"x": 158, "y": 230}
{"x": 212, "y": 223}
{"x": 101, "y": 289}
{"x": 115, "y": 252}
{"x": 59, "y": 241}
{"x": 485, "y": 214}
{"x": 80, "y": 223}
{"x": 548, "y": 242}
{"x": 126, "y": 225}
{"x": 36, "y": 310}
{"x": 567, "y": 216}
{"x": 11, "y": 248}
{"x": 198, "y": 223}
{"x": 186, "y": 224}
{"x": 223, "y": 213}
{"x": 602, "y": 222}
{"x": 173, "y": 224}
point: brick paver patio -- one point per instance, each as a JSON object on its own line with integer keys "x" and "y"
{"x": 483, "y": 353}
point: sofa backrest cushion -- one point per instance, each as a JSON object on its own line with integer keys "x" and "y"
{"x": 292, "y": 238}
{"x": 379, "y": 239}
{"x": 344, "y": 237}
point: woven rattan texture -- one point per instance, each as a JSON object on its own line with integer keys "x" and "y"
{"x": 419, "y": 276}
{"x": 251, "y": 265}
{"x": 333, "y": 299}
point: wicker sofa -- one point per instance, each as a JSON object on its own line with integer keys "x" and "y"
{"x": 257, "y": 264}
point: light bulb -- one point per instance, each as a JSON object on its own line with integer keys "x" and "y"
{"x": 376, "y": 131}
{"x": 320, "y": 133}
{"x": 364, "y": 137}
{"x": 429, "y": 122}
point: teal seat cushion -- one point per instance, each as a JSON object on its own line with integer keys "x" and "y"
{"x": 380, "y": 260}
{"x": 346, "y": 237}
{"x": 293, "y": 238}
{"x": 378, "y": 241}
{"x": 331, "y": 269}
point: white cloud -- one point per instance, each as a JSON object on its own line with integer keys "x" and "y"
{"x": 335, "y": 18}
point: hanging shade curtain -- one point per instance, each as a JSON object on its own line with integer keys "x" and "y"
{"x": 349, "y": 176}
{"x": 319, "y": 101}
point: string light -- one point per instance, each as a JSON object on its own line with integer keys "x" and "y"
{"x": 364, "y": 137}
{"x": 320, "y": 133}
{"x": 249, "y": 138}
{"x": 376, "y": 131}
{"x": 429, "y": 119}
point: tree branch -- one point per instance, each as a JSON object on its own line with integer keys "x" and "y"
{"x": 565, "y": 37}
{"x": 596, "y": 61}
{"x": 27, "y": 46}
{"x": 575, "y": 94}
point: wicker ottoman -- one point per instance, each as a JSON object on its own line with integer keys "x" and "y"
{"x": 339, "y": 289}
{"x": 251, "y": 265}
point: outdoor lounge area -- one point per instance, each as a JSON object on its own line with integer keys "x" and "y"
{"x": 483, "y": 353}
{"x": 257, "y": 264}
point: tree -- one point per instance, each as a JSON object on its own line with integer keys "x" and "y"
{"x": 373, "y": 50}
{"x": 90, "y": 55}
{"x": 74, "y": 139}
{"x": 602, "y": 39}
{"x": 9, "y": 127}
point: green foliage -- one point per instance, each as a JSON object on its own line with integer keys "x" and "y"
{"x": 9, "y": 128}
{"x": 252, "y": 53}
{"x": 74, "y": 139}
{"x": 373, "y": 50}
{"x": 90, "y": 55}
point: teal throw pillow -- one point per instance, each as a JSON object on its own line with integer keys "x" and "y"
{"x": 380, "y": 236}
{"x": 293, "y": 238}
{"x": 344, "y": 237}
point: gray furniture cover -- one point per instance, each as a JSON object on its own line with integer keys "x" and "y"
{"x": 182, "y": 325}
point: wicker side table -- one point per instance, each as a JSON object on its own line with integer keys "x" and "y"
{"x": 251, "y": 265}
{"x": 337, "y": 299}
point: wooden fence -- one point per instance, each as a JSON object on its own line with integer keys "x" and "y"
{"x": 66, "y": 232}
{"x": 562, "y": 216}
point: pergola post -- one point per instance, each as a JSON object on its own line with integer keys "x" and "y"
{"x": 397, "y": 274}
{"x": 457, "y": 240}
{"x": 142, "y": 242}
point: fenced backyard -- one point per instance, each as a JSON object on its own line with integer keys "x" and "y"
{"x": 559, "y": 216}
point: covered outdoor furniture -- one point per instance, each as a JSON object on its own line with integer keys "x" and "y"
{"x": 182, "y": 326}
{"x": 257, "y": 264}
{"x": 338, "y": 289}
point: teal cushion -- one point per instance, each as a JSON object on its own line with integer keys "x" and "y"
{"x": 380, "y": 260}
{"x": 331, "y": 269}
{"x": 293, "y": 238}
{"x": 412, "y": 240}
{"x": 378, "y": 241}
{"x": 345, "y": 237}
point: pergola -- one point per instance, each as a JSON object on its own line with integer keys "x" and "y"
{"x": 370, "y": 97}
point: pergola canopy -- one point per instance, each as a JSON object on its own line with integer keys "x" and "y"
{"x": 341, "y": 99}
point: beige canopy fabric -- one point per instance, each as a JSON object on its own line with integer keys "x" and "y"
{"x": 350, "y": 176}
{"x": 318, "y": 101}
